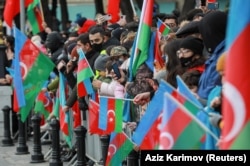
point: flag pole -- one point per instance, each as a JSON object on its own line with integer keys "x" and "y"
{"x": 22, "y": 16}
{"x": 125, "y": 99}
{"x": 41, "y": 6}
{"x": 133, "y": 7}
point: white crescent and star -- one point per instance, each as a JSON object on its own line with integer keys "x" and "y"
{"x": 47, "y": 102}
{"x": 169, "y": 138}
{"x": 112, "y": 146}
{"x": 236, "y": 100}
{"x": 25, "y": 69}
{"x": 112, "y": 112}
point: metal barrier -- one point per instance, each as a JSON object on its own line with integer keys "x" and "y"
{"x": 93, "y": 145}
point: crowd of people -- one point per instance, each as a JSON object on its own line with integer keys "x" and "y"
{"x": 194, "y": 49}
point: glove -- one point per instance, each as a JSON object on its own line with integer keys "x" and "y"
{"x": 214, "y": 119}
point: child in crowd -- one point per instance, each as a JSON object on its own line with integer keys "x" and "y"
{"x": 100, "y": 66}
{"x": 112, "y": 88}
{"x": 214, "y": 108}
{"x": 191, "y": 79}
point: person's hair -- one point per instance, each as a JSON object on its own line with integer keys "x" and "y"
{"x": 173, "y": 65}
{"x": 171, "y": 16}
{"x": 97, "y": 29}
{"x": 109, "y": 48}
{"x": 84, "y": 38}
{"x": 190, "y": 14}
{"x": 109, "y": 65}
{"x": 191, "y": 77}
{"x": 11, "y": 41}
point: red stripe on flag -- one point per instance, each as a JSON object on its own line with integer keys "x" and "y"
{"x": 76, "y": 115}
{"x": 15, "y": 102}
{"x": 178, "y": 97}
{"x": 111, "y": 115}
{"x": 159, "y": 63}
{"x": 148, "y": 13}
{"x": 237, "y": 82}
{"x": 174, "y": 127}
{"x": 82, "y": 64}
{"x": 151, "y": 140}
{"x": 39, "y": 19}
{"x": 116, "y": 143}
{"x": 82, "y": 91}
{"x": 162, "y": 28}
{"x": 63, "y": 125}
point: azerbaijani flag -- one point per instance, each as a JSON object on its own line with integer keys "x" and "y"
{"x": 31, "y": 71}
{"x": 182, "y": 99}
{"x": 64, "y": 116}
{"x": 236, "y": 96}
{"x": 119, "y": 148}
{"x": 179, "y": 129}
{"x": 110, "y": 118}
{"x": 162, "y": 28}
{"x": 84, "y": 73}
{"x": 35, "y": 79}
{"x": 35, "y": 16}
{"x": 19, "y": 100}
{"x": 43, "y": 105}
{"x": 188, "y": 105}
{"x": 144, "y": 34}
{"x": 11, "y": 9}
{"x": 154, "y": 43}
{"x": 184, "y": 90}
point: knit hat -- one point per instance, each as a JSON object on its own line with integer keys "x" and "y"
{"x": 81, "y": 21}
{"x": 118, "y": 50}
{"x": 192, "y": 43}
{"x": 100, "y": 62}
{"x": 220, "y": 66}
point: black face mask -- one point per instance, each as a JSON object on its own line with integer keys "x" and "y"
{"x": 185, "y": 62}
{"x": 97, "y": 47}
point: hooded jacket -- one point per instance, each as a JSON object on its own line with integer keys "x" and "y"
{"x": 213, "y": 31}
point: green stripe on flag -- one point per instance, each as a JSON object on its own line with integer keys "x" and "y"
{"x": 192, "y": 108}
{"x": 166, "y": 31}
{"x": 190, "y": 137}
{"x": 118, "y": 115}
{"x": 32, "y": 17}
{"x": 242, "y": 141}
{"x": 121, "y": 153}
{"x": 85, "y": 73}
{"x": 39, "y": 108}
{"x": 33, "y": 21}
{"x": 143, "y": 44}
{"x": 34, "y": 81}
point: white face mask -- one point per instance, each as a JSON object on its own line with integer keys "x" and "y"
{"x": 121, "y": 59}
